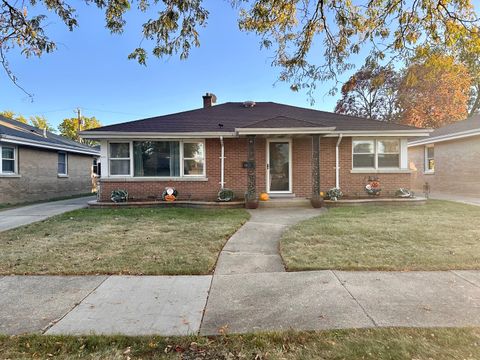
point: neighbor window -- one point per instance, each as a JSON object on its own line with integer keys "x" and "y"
{"x": 62, "y": 163}
{"x": 96, "y": 167}
{"x": 8, "y": 165}
{"x": 120, "y": 158}
{"x": 193, "y": 158}
{"x": 376, "y": 154}
{"x": 166, "y": 158}
{"x": 429, "y": 159}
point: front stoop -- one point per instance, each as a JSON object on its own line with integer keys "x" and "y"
{"x": 285, "y": 202}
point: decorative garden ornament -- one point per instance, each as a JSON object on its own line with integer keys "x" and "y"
{"x": 225, "y": 195}
{"x": 169, "y": 194}
{"x": 373, "y": 186}
{"x": 119, "y": 195}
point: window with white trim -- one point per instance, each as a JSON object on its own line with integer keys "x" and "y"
{"x": 62, "y": 165}
{"x": 119, "y": 156}
{"x": 8, "y": 165}
{"x": 193, "y": 158}
{"x": 162, "y": 158}
{"x": 429, "y": 159}
{"x": 388, "y": 153}
{"x": 364, "y": 154}
{"x": 156, "y": 158}
{"x": 376, "y": 154}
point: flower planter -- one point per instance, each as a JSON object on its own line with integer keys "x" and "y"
{"x": 251, "y": 204}
{"x": 317, "y": 203}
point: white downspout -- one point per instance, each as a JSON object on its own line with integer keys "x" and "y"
{"x": 337, "y": 162}
{"x": 222, "y": 164}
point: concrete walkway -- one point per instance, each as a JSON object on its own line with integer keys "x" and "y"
{"x": 255, "y": 247}
{"x": 23, "y": 215}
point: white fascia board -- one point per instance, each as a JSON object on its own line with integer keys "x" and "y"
{"x": 454, "y": 136}
{"x": 18, "y": 141}
{"x": 384, "y": 133}
{"x": 284, "y": 131}
{"x": 153, "y": 135}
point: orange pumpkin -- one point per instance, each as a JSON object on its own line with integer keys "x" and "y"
{"x": 169, "y": 197}
{"x": 263, "y": 197}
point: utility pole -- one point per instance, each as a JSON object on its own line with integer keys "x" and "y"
{"x": 79, "y": 117}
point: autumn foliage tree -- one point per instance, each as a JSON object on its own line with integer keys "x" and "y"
{"x": 40, "y": 122}
{"x": 311, "y": 40}
{"x": 434, "y": 92}
{"x": 70, "y": 127}
{"x": 371, "y": 93}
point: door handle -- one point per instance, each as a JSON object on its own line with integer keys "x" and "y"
{"x": 268, "y": 166}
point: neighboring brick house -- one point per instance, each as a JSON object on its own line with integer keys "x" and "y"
{"x": 255, "y": 147}
{"x": 39, "y": 165}
{"x": 448, "y": 160}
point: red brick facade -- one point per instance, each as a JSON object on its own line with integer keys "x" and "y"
{"x": 236, "y": 176}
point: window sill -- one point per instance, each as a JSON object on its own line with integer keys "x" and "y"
{"x": 429, "y": 173}
{"x": 10, "y": 176}
{"x": 380, "y": 171}
{"x": 143, "y": 179}
{"x": 62, "y": 176}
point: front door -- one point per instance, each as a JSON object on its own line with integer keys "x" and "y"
{"x": 279, "y": 166}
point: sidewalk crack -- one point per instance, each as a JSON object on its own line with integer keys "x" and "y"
{"x": 56, "y": 321}
{"x": 465, "y": 279}
{"x": 355, "y": 299}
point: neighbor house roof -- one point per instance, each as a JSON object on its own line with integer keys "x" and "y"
{"x": 16, "y": 132}
{"x": 457, "y": 130}
{"x": 229, "y": 118}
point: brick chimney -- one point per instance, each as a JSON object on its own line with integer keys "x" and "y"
{"x": 208, "y": 100}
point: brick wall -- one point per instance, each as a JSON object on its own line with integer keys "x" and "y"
{"x": 236, "y": 176}
{"x": 457, "y": 167}
{"x": 38, "y": 179}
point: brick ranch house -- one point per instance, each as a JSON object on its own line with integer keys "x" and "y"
{"x": 448, "y": 159}
{"x": 39, "y": 165}
{"x": 260, "y": 147}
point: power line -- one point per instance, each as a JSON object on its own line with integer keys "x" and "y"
{"x": 114, "y": 112}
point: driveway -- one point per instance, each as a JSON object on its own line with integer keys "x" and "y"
{"x": 471, "y": 200}
{"x": 24, "y": 215}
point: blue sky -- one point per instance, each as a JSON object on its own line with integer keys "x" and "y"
{"x": 90, "y": 70}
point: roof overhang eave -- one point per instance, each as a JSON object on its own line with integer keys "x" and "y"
{"x": 100, "y": 135}
{"x": 284, "y": 131}
{"x": 448, "y": 137}
{"x": 38, "y": 144}
{"x": 381, "y": 133}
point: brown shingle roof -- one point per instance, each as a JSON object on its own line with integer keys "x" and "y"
{"x": 470, "y": 124}
{"x": 15, "y": 129}
{"x": 229, "y": 116}
{"x": 459, "y": 126}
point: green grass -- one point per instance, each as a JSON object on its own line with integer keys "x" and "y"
{"x": 361, "y": 344}
{"x": 440, "y": 235}
{"x": 120, "y": 241}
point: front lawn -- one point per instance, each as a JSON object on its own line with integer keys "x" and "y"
{"x": 440, "y": 235}
{"x": 120, "y": 241}
{"x": 360, "y": 344}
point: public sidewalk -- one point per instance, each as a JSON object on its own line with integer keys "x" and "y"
{"x": 24, "y": 215}
{"x": 177, "y": 305}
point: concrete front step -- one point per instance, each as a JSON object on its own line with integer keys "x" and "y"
{"x": 282, "y": 202}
